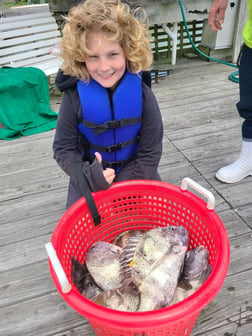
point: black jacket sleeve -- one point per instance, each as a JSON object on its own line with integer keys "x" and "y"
{"x": 146, "y": 161}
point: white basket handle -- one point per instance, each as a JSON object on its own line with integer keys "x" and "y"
{"x": 210, "y": 197}
{"x": 65, "y": 285}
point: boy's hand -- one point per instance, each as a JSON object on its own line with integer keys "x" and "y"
{"x": 109, "y": 173}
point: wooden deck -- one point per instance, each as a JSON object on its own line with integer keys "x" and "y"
{"x": 202, "y": 133}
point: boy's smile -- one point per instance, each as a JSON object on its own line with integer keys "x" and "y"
{"x": 106, "y": 63}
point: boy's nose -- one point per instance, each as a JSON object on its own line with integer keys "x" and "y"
{"x": 103, "y": 65}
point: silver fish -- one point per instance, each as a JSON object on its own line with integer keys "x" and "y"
{"x": 83, "y": 281}
{"x": 158, "y": 288}
{"x": 153, "y": 261}
{"x": 195, "y": 272}
{"x": 103, "y": 263}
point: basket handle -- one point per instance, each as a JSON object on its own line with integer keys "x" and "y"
{"x": 210, "y": 197}
{"x": 58, "y": 269}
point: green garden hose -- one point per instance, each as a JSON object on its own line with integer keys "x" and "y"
{"x": 234, "y": 76}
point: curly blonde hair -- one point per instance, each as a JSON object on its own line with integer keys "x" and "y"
{"x": 117, "y": 22}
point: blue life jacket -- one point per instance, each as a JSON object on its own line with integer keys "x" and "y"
{"x": 113, "y": 131}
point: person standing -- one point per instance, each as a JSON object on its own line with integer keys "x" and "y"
{"x": 242, "y": 166}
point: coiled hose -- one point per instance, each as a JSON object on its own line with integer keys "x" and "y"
{"x": 234, "y": 77}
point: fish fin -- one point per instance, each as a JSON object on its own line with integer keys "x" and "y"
{"x": 130, "y": 288}
{"x": 184, "y": 284}
{"x": 80, "y": 275}
{"x": 121, "y": 239}
{"x": 127, "y": 257}
{"x": 206, "y": 273}
{"x": 100, "y": 299}
{"x": 79, "y": 271}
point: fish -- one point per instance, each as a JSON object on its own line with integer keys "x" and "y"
{"x": 83, "y": 280}
{"x": 103, "y": 263}
{"x": 158, "y": 287}
{"x": 195, "y": 272}
{"x": 141, "y": 251}
{"x": 124, "y": 298}
{"x": 153, "y": 262}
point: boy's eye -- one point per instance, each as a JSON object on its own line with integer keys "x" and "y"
{"x": 92, "y": 57}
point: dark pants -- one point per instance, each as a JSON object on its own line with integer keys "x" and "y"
{"x": 245, "y": 104}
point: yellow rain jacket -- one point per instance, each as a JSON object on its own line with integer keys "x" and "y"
{"x": 247, "y": 31}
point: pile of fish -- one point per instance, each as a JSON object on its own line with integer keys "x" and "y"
{"x": 142, "y": 270}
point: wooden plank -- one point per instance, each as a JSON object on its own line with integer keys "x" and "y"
{"x": 34, "y": 204}
{"x": 200, "y": 91}
{"x": 50, "y": 67}
{"x": 42, "y": 156}
{"x": 27, "y": 9}
{"x": 28, "y": 228}
{"x": 36, "y": 15}
{"x": 24, "y": 283}
{"x": 23, "y": 253}
{"x": 204, "y": 147}
{"x": 241, "y": 192}
{"x": 245, "y": 212}
{"x": 28, "y": 38}
{"x": 84, "y": 329}
{"x": 11, "y": 145}
{"x": 26, "y": 55}
{"x": 233, "y": 223}
{"x": 239, "y": 261}
{"x": 42, "y": 141}
{"x": 48, "y": 62}
{"x": 31, "y": 181}
{"x": 230, "y": 311}
{"x": 24, "y": 22}
{"x": 27, "y": 48}
{"x": 201, "y": 78}
{"x": 48, "y": 314}
{"x": 197, "y": 66}
{"x": 27, "y": 31}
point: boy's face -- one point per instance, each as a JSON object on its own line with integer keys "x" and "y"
{"x": 106, "y": 64}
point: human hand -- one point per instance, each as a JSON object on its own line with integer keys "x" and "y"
{"x": 109, "y": 173}
{"x": 217, "y": 14}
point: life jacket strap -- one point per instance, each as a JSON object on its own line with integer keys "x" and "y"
{"x": 115, "y": 147}
{"x": 112, "y": 124}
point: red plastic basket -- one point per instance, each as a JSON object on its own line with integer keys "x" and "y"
{"x": 140, "y": 205}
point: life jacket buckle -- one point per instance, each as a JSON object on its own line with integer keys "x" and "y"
{"x": 114, "y": 123}
{"x": 116, "y": 164}
{"x": 114, "y": 148}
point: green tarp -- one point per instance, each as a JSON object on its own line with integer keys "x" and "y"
{"x": 24, "y": 103}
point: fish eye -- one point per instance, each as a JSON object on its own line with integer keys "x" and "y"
{"x": 175, "y": 249}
